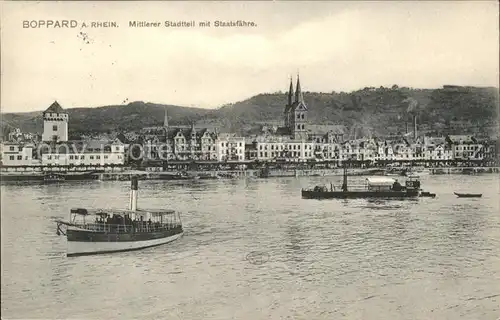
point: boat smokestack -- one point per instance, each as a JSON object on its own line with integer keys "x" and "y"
{"x": 134, "y": 183}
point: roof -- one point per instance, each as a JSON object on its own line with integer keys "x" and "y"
{"x": 55, "y": 107}
{"x": 295, "y": 105}
{"x": 435, "y": 140}
{"x": 380, "y": 181}
{"x": 461, "y": 139}
{"x": 283, "y": 131}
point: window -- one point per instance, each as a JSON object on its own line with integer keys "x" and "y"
{"x": 19, "y": 157}
{"x": 302, "y": 116}
{"x": 82, "y": 157}
{"x": 11, "y": 148}
{"x": 11, "y": 158}
{"x": 91, "y": 157}
{"x": 54, "y": 128}
{"x": 98, "y": 157}
{"x": 105, "y": 157}
{"x": 70, "y": 157}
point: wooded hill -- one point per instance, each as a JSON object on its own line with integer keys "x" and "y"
{"x": 370, "y": 111}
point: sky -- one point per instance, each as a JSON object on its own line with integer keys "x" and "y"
{"x": 334, "y": 46}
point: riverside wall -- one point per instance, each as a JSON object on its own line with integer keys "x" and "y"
{"x": 124, "y": 173}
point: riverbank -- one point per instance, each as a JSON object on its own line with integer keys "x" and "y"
{"x": 229, "y": 174}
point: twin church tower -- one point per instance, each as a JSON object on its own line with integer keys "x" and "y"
{"x": 296, "y": 113}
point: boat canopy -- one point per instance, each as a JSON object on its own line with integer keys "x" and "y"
{"x": 111, "y": 211}
{"x": 81, "y": 211}
{"x": 380, "y": 181}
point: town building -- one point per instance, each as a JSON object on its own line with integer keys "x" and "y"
{"x": 83, "y": 153}
{"x": 17, "y": 154}
{"x": 18, "y": 136}
{"x": 179, "y": 143}
{"x": 282, "y": 148}
{"x": 465, "y": 147}
{"x": 437, "y": 149}
{"x": 193, "y": 144}
{"x": 230, "y": 148}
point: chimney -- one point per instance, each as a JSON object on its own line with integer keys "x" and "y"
{"x": 165, "y": 118}
{"x": 415, "y": 126}
{"x": 133, "y": 193}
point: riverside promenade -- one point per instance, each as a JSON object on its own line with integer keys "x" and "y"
{"x": 221, "y": 171}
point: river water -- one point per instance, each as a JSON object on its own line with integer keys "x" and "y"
{"x": 253, "y": 249}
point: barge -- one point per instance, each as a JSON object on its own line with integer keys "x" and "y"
{"x": 375, "y": 187}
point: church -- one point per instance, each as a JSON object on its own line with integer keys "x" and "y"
{"x": 296, "y": 113}
{"x": 296, "y": 121}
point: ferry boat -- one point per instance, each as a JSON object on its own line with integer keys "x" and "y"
{"x": 406, "y": 171}
{"x": 93, "y": 231}
{"x": 375, "y": 187}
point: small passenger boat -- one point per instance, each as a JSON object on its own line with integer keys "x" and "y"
{"x": 93, "y": 231}
{"x": 376, "y": 187}
{"x": 181, "y": 175}
{"x": 468, "y": 195}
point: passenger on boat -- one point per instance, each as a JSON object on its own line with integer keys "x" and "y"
{"x": 396, "y": 186}
{"x": 320, "y": 189}
{"x": 344, "y": 187}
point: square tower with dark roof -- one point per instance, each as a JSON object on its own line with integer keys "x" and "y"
{"x": 55, "y": 124}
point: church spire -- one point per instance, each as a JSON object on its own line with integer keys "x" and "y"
{"x": 290, "y": 92}
{"x": 298, "y": 92}
{"x": 165, "y": 119}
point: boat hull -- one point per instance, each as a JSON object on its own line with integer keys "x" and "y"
{"x": 309, "y": 194}
{"x": 82, "y": 242}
